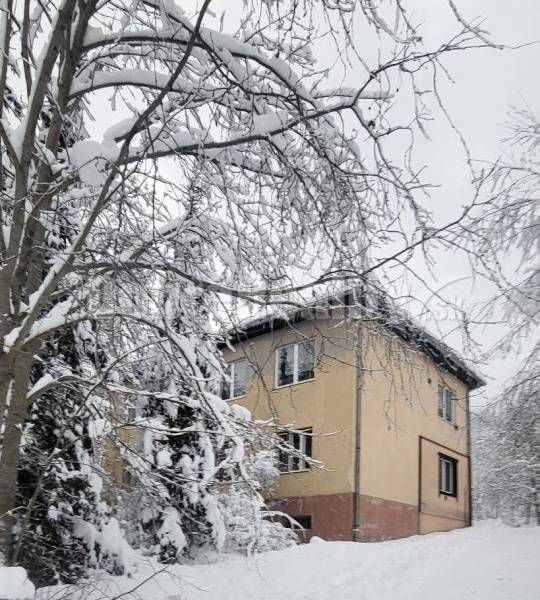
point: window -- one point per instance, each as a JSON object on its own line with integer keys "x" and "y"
{"x": 131, "y": 414}
{"x": 304, "y": 521}
{"x": 295, "y": 363}
{"x": 226, "y": 472}
{"x": 295, "y": 460}
{"x": 447, "y": 475}
{"x": 128, "y": 477}
{"x": 446, "y": 404}
{"x": 235, "y": 385}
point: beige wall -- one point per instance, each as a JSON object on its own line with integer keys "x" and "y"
{"x": 128, "y": 435}
{"x": 325, "y": 403}
{"x": 441, "y": 512}
{"x": 399, "y": 407}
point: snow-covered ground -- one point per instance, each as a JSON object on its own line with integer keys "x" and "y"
{"x": 14, "y": 584}
{"x": 487, "y": 562}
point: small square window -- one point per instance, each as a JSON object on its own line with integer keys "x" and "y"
{"x": 235, "y": 384}
{"x": 447, "y": 475}
{"x": 299, "y": 447}
{"x": 304, "y": 521}
{"x": 446, "y": 401}
{"x": 295, "y": 363}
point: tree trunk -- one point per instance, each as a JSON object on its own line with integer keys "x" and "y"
{"x": 14, "y": 418}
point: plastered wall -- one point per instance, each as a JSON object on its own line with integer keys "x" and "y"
{"x": 439, "y": 512}
{"x": 399, "y": 415}
{"x": 325, "y": 403}
{"x": 401, "y": 432}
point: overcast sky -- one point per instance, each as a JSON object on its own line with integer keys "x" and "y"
{"x": 486, "y": 83}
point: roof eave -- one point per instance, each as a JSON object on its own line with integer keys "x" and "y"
{"x": 426, "y": 344}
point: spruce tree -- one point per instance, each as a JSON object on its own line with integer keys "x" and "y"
{"x": 182, "y": 432}
{"x": 62, "y": 514}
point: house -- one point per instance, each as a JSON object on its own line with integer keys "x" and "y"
{"x": 380, "y": 402}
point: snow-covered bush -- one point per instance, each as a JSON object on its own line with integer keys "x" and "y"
{"x": 248, "y": 525}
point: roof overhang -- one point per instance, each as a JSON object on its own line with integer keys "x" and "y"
{"x": 395, "y": 320}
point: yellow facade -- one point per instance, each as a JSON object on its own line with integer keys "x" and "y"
{"x": 390, "y": 486}
{"x": 322, "y": 403}
{"x": 402, "y": 434}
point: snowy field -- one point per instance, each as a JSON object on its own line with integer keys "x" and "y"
{"x": 487, "y": 562}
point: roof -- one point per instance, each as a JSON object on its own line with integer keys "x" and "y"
{"x": 381, "y": 310}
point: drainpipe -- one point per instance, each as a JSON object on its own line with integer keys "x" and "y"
{"x": 469, "y": 461}
{"x": 357, "y": 431}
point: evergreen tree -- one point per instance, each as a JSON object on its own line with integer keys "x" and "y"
{"x": 182, "y": 429}
{"x": 55, "y": 486}
{"x": 62, "y": 515}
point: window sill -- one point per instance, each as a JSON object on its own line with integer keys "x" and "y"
{"x": 235, "y": 398}
{"x": 286, "y": 385}
{"x": 448, "y": 495}
{"x": 449, "y": 422}
{"x": 295, "y": 472}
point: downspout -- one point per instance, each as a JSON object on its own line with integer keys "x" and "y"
{"x": 469, "y": 454}
{"x": 357, "y": 432}
{"x": 419, "y": 508}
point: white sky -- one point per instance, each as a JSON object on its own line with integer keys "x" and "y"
{"x": 486, "y": 83}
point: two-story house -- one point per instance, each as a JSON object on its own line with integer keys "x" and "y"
{"x": 381, "y": 403}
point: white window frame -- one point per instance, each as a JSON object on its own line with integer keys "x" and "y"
{"x": 450, "y": 464}
{"x": 295, "y": 346}
{"x": 303, "y": 435}
{"x": 448, "y": 400}
{"x": 232, "y": 367}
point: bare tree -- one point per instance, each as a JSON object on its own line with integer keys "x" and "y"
{"x": 140, "y": 142}
{"x": 503, "y": 236}
{"x": 507, "y": 451}
{"x": 504, "y": 246}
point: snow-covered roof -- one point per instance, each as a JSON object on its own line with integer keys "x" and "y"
{"x": 381, "y": 309}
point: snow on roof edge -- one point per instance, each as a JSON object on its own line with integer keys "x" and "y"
{"x": 397, "y": 320}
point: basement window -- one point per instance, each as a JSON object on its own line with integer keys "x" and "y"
{"x": 235, "y": 385}
{"x": 304, "y": 521}
{"x": 446, "y": 400}
{"x": 295, "y": 363}
{"x": 447, "y": 475}
{"x": 299, "y": 447}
